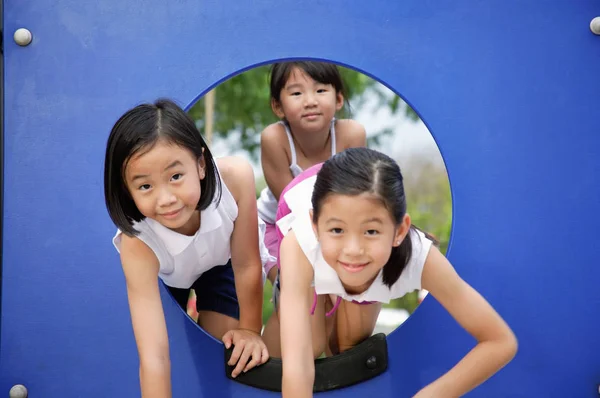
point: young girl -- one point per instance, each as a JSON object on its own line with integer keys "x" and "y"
{"x": 348, "y": 247}
{"x": 191, "y": 221}
{"x": 305, "y": 96}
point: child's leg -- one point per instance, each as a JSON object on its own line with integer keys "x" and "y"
{"x": 353, "y": 324}
{"x": 216, "y": 301}
{"x": 271, "y": 334}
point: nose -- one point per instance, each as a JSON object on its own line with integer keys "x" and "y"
{"x": 310, "y": 100}
{"x": 166, "y": 197}
{"x": 353, "y": 247}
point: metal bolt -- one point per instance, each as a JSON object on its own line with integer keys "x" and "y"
{"x": 372, "y": 362}
{"x": 595, "y": 25}
{"x": 22, "y": 37}
{"x": 18, "y": 391}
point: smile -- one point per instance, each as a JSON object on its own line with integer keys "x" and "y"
{"x": 171, "y": 214}
{"x": 353, "y": 268}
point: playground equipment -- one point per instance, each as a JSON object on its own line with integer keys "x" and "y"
{"x": 509, "y": 90}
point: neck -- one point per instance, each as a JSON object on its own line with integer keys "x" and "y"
{"x": 191, "y": 226}
{"x": 312, "y": 143}
{"x": 355, "y": 290}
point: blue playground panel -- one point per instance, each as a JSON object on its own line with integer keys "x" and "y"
{"x": 510, "y": 90}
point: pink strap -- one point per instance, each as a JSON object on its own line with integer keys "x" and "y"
{"x": 335, "y": 307}
{"x": 314, "y": 305}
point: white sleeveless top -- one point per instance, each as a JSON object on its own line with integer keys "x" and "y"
{"x": 326, "y": 280}
{"x": 267, "y": 203}
{"x": 184, "y": 258}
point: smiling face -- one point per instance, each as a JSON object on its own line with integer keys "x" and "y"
{"x": 357, "y": 234}
{"x": 164, "y": 183}
{"x": 307, "y": 105}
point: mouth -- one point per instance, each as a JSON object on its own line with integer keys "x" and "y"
{"x": 311, "y": 116}
{"x": 353, "y": 267}
{"x": 171, "y": 214}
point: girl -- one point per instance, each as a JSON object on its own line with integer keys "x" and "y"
{"x": 348, "y": 247}
{"x": 305, "y": 96}
{"x": 191, "y": 221}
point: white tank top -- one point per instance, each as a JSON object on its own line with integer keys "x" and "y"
{"x": 184, "y": 258}
{"x": 326, "y": 280}
{"x": 267, "y": 203}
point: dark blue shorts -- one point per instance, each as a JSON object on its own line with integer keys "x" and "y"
{"x": 215, "y": 291}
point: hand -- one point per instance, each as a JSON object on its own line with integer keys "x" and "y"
{"x": 246, "y": 344}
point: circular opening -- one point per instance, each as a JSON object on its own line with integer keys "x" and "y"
{"x": 232, "y": 115}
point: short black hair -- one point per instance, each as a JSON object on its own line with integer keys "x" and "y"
{"x": 322, "y": 72}
{"x": 139, "y": 129}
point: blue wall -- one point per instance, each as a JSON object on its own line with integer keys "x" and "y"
{"x": 510, "y": 91}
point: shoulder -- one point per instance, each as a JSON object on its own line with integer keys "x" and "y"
{"x": 351, "y": 133}
{"x": 237, "y": 174}
{"x": 291, "y": 252}
{"x": 134, "y": 252}
{"x": 273, "y": 133}
{"x": 273, "y": 140}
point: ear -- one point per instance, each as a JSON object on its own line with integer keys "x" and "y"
{"x": 202, "y": 166}
{"x": 277, "y": 108}
{"x": 339, "y": 101}
{"x": 402, "y": 230}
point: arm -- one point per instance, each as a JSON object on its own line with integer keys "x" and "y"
{"x": 247, "y": 267}
{"x": 294, "y": 313}
{"x": 496, "y": 343}
{"x": 352, "y": 134}
{"x": 140, "y": 267}
{"x": 274, "y": 161}
{"x": 245, "y": 255}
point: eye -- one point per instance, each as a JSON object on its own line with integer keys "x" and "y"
{"x": 296, "y": 93}
{"x": 336, "y": 231}
{"x": 322, "y": 90}
{"x": 372, "y": 232}
{"x": 144, "y": 187}
{"x": 176, "y": 176}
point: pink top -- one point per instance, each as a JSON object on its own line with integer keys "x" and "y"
{"x": 282, "y": 208}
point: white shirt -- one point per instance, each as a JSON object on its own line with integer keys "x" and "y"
{"x": 326, "y": 280}
{"x": 184, "y": 258}
{"x": 267, "y": 203}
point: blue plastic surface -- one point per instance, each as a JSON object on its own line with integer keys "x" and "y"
{"x": 510, "y": 90}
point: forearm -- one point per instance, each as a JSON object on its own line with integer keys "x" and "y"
{"x": 481, "y": 363}
{"x": 298, "y": 383}
{"x": 155, "y": 381}
{"x": 249, "y": 288}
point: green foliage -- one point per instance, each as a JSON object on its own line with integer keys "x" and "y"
{"x": 243, "y": 106}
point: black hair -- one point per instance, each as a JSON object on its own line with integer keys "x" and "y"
{"x": 322, "y": 72}
{"x": 139, "y": 129}
{"x": 355, "y": 171}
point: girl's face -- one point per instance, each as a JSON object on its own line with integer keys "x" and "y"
{"x": 164, "y": 183}
{"x": 306, "y": 104}
{"x": 357, "y": 234}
